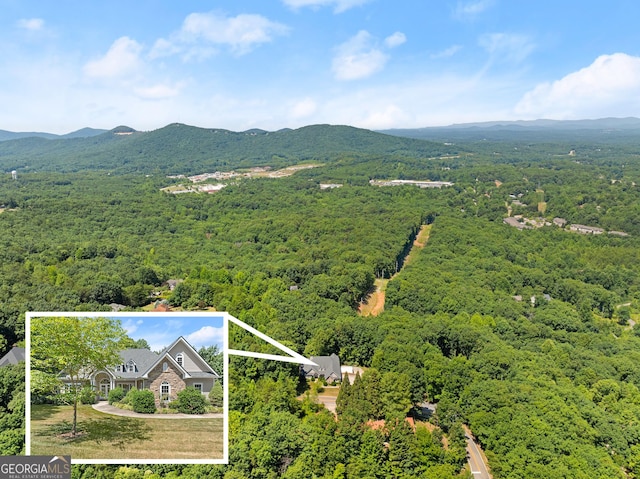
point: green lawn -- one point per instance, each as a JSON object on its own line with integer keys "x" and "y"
{"x": 103, "y": 436}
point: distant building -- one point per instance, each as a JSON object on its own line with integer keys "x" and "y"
{"x": 586, "y": 230}
{"x": 172, "y": 283}
{"x": 421, "y": 184}
{"x": 161, "y": 306}
{"x": 516, "y": 223}
{"x": 14, "y": 175}
{"x": 115, "y": 307}
{"x": 328, "y": 367}
{"x": 559, "y": 222}
{"x": 14, "y": 356}
{"x": 351, "y": 372}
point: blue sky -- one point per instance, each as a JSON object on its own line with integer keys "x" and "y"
{"x": 288, "y": 63}
{"x": 162, "y": 330}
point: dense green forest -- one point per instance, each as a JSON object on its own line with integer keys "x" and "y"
{"x": 528, "y": 336}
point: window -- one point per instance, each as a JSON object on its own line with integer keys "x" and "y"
{"x": 165, "y": 366}
{"x": 131, "y": 366}
{"x": 198, "y": 386}
{"x": 179, "y": 359}
{"x": 105, "y": 387}
{"x": 165, "y": 391}
{"x": 119, "y": 367}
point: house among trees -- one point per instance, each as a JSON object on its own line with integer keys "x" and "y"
{"x": 14, "y": 356}
{"x": 165, "y": 374}
{"x": 328, "y": 367}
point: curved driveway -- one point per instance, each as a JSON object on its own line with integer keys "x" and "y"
{"x": 105, "y": 407}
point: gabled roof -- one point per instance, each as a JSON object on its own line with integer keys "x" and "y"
{"x": 205, "y": 365}
{"x": 326, "y": 366}
{"x": 14, "y": 356}
{"x": 206, "y": 370}
{"x": 163, "y": 357}
{"x": 143, "y": 358}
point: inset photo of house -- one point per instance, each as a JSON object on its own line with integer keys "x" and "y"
{"x": 127, "y": 387}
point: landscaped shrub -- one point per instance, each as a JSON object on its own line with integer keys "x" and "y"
{"x": 216, "y": 396}
{"x": 127, "y": 398}
{"x": 143, "y": 401}
{"x": 191, "y": 401}
{"x": 116, "y": 395}
{"x": 87, "y": 395}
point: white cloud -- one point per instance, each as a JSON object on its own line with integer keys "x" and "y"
{"x": 206, "y": 336}
{"x": 163, "y": 48}
{"x": 159, "y": 91}
{"x": 610, "y": 86}
{"x": 507, "y": 46}
{"x": 303, "y": 108}
{"x": 447, "y": 52}
{"x": 201, "y": 32}
{"x": 339, "y": 6}
{"x": 131, "y": 326}
{"x": 395, "y": 40}
{"x": 358, "y": 58}
{"x": 122, "y": 58}
{"x": 469, "y": 10}
{"x": 385, "y": 117}
{"x": 31, "y": 24}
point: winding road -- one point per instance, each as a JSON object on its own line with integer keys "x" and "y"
{"x": 479, "y": 469}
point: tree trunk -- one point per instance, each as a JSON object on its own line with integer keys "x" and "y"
{"x": 74, "y": 429}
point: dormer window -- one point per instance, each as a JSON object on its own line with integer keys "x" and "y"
{"x": 119, "y": 368}
{"x": 131, "y": 366}
{"x": 179, "y": 359}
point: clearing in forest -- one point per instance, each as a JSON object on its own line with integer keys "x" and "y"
{"x": 373, "y": 305}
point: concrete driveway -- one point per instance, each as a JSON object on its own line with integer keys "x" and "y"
{"x": 105, "y": 407}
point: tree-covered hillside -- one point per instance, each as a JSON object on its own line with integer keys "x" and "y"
{"x": 182, "y": 149}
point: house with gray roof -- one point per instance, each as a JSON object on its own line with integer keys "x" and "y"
{"x": 165, "y": 374}
{"x": 327, "y": 367}
{"x": 14, "y": 356}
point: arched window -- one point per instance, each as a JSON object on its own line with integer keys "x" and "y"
{"x": 165, "y": 366}
{"x": 179, "y": 359}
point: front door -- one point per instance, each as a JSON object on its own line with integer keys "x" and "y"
{"x": 105, "y": 387}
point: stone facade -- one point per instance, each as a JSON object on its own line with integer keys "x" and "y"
{"x": 157, "y": 376}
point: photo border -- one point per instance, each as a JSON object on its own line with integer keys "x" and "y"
{"x": 225, "y": 375}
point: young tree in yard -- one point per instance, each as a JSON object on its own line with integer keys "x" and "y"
{"x": 77, "y": 346}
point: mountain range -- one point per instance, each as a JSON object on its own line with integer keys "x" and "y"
{"x": 82, "y": 133}
{"x": 532, "y": 130}
{"x": 183, "y": 149}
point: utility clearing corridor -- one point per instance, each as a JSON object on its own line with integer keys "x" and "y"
{"x": 373, "y": 304}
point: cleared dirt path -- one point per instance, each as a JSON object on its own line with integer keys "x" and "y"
{"x": 373, "y": 305}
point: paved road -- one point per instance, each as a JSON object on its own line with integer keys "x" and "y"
{"x": 105, "y": 407}
{"x": 475, "y": 459}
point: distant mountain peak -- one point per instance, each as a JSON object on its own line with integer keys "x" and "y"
{"x": 123, "y": 130}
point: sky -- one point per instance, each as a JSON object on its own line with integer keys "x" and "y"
{"x": 274, "y": 64}
{"x": 162, "y": 330}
